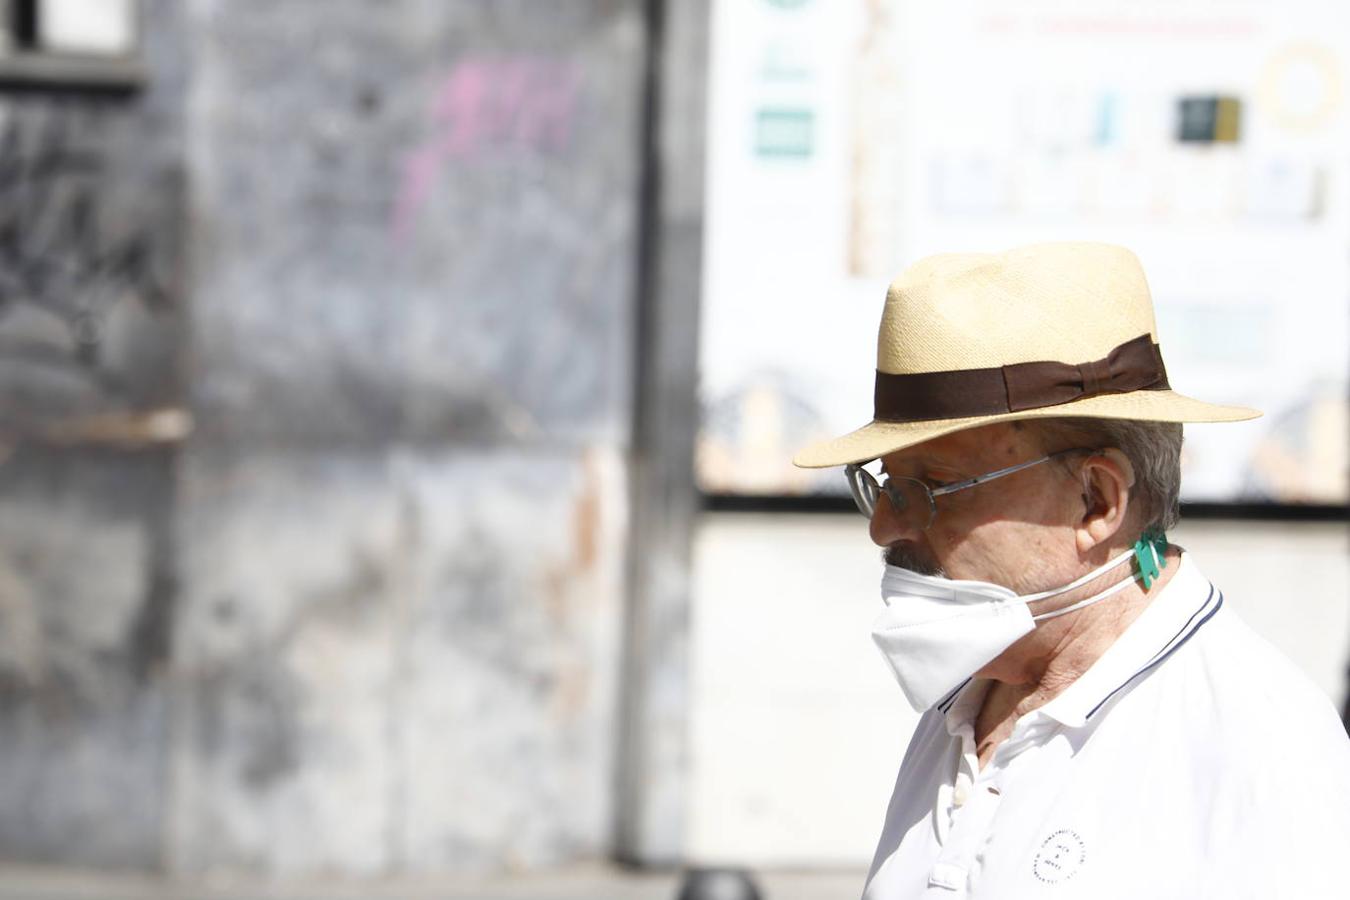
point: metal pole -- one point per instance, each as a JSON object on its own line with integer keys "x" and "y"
{"x": 653, "y": 733}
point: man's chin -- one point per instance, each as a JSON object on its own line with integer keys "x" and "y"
{"x": 904, "y": 556}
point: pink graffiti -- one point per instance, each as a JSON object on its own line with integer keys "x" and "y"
{"x": 486, "y": 105}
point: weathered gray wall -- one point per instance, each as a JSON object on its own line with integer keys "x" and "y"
{"x": 86, "y": 592}
{"x": 414, "y": 242}
{"x": 395, "y": 661}
{"x": 415, "y": 221}
{"x": 367, "y": 619}
{"x": 92, "y": 209}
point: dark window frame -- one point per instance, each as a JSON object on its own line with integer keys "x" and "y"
{"x": 25, "y": 66}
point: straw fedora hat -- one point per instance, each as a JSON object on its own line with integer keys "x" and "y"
{"x": 1042, "y": 331}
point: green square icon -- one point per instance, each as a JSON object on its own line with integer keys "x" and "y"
{"x": 784, "y": 132}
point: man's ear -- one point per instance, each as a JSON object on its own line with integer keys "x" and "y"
{"x": 1107, "y": 479}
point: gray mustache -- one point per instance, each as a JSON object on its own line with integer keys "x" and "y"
{"x": 907, "y": 556}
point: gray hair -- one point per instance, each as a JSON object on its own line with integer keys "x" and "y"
{"x": 1153, "y": 448}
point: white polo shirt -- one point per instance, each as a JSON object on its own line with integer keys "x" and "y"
{"x": 1191, "y": 760}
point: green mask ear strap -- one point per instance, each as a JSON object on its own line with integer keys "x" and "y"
{"x": 1150, "y": 554}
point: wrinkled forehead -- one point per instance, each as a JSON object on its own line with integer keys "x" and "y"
{"x": 972, "y": 450}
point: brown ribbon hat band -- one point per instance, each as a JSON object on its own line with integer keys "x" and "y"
{"x": 1045, "y": 331}
{"x": 1132, "y": 366}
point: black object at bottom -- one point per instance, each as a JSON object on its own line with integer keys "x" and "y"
{"x": 718, "y": 884}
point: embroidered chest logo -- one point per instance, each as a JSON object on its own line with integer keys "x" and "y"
{"x": 1060, "y": 856}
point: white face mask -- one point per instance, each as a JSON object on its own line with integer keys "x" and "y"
{"x": 936, "y": 632}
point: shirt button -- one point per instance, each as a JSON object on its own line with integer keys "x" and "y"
{"x": 960, "y": 795}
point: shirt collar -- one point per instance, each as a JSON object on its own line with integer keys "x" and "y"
{"x": 1181, "y": 609}
{"x": 1183, "y": 606}
{"x": 962, "y": 705}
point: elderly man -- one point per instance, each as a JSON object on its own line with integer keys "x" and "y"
{"x": 1096, "y": 721}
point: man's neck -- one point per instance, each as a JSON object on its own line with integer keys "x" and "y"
{"x": 1056, "y": 654}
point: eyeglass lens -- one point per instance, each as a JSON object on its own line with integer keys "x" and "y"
{"x": 910, "y": 500}
{"x": 864, "y": 488}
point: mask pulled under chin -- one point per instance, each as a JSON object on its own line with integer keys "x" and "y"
{"x": 935, "y": 632}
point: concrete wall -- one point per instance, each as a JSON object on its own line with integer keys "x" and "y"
{"x": 367, "y": 618}
{"x": 86, "y": 595}
{"x": 414, "y": 254}
{"x": 92, "y": 304}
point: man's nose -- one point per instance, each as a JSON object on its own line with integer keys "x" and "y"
{"x": 888, "y": 527}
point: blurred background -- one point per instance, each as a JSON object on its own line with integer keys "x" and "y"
{"x": 396, "y": 401}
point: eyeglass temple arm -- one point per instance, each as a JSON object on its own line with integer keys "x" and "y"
{"x": 999, "y": 473}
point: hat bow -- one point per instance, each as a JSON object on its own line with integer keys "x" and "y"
{"x": 1132, "y": 366}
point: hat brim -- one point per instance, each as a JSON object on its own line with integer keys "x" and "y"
{"x": 879, "y": 438}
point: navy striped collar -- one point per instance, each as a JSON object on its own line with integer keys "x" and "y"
{"x": 1175, "y": 616}
{"x": 945, "y": 704}
{"x": 1187, "y": 603}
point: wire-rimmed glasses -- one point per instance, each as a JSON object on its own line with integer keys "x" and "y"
{"x": 914, "y": 502}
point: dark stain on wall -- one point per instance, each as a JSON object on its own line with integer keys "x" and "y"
{"x": 90, "y": 261}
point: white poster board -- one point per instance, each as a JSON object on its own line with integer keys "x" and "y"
{"x": 848, "y": 138}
